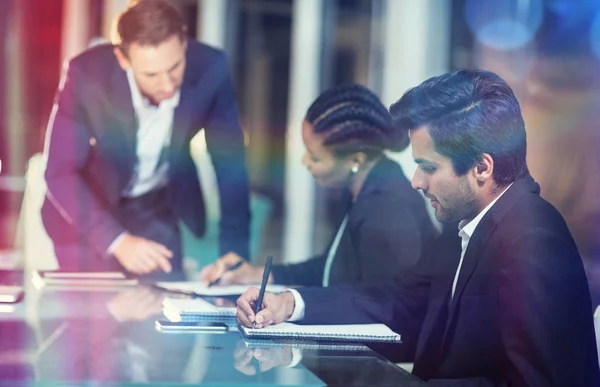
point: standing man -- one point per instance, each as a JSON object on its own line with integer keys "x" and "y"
{"x": 119, "y": 171}
{"x": 511, "y": 307}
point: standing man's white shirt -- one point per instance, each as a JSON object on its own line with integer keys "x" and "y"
{"x": 154, "y": 128}
{"x": 155, "y": 125}
{"x": 465, "y": 233}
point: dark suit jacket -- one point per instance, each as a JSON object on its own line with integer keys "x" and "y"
{"x": 387, "y": 227}
{"x": 521, "y": 314}
{"x": 91, "y": 149}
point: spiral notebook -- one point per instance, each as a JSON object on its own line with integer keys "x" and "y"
{"x": 195, "y": 309}
{"x": 356, "y": 333}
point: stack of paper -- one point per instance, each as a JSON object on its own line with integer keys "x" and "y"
{"x": 10, "y": 293}
{"x": 197, "y": 309}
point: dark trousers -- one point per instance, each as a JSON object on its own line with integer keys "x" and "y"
{"x": 148, "y": 216}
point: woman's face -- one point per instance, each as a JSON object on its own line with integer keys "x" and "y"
{"x": 327, "y": 169}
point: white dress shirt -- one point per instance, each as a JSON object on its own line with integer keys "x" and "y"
{"x": 466, "y": 231}
{"x": 155, "y": 125}
{"x": 333, "y": 250}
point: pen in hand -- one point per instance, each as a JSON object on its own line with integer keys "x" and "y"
{"x": 216, "y": 281}
{"x": 263, "y": 286}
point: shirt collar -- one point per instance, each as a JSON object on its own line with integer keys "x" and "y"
{"x": 467, "y": 230}
{"x": 140, "y": 102}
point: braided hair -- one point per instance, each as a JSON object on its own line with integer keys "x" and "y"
{"x": 353, "y": 119}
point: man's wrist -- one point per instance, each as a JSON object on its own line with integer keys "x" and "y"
{"x": 297, "y": 305}
{"x": 290, "y": 304}
{"x": 115, "y": 244}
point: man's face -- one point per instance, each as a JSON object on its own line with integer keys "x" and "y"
{"x": 452, "y": 196}
{"x": 158, "y": 70}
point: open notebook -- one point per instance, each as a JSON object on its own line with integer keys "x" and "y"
{"x": 196, "y": 309}
{"x": 358, "y": 333}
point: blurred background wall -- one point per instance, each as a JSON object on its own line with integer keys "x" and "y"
{"x": 282, "y": 53}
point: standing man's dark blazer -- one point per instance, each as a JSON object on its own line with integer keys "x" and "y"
{"x": 387, "y": 227}
{"x": 521, "y": 313}
{"x": 91, "y": 149}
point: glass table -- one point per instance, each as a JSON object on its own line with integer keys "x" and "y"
{"x": 107, "y": 337}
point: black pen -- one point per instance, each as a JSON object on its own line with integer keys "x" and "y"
{"x": 263, "y": 286}
{"x": 230, "y": 268}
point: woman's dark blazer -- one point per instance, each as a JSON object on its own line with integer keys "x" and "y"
{"x": 387, "y": 227}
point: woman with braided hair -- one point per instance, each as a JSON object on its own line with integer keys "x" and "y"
{"x": 345, "y": 132}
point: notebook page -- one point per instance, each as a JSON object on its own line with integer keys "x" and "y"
{"x": 226, "y": 290}
{"x": 197, "y": 306}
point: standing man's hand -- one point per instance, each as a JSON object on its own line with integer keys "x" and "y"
{"x": 276, "y": 308}
{"x": 142, "y": 256}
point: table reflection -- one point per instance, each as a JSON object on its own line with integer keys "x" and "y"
{"x": 136, "y": 304}
{"x": 251, "y": 361}
{"x": 107, "y": 336}
{"x": 337, "y": 364}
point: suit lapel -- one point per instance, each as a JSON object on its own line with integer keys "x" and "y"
{"x": 483, "y": 233}
{"x": 182, "y": 117}
{"x": 471, "y": 259}
{"x": 429, "y": 352}
{"x": 185, "y": 110}
{"x": 123, "y": 115}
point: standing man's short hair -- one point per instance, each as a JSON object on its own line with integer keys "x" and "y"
{"x": 148, "y": 23}
{"x": 468, "y": 113}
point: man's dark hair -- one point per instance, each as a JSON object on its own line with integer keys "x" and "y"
{"x": 148, "y": 23}
{"x": 353, "y": 119}
{"x": 468, "y": 113}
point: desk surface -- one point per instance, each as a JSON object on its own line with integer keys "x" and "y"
{"x": 68, "y": 337}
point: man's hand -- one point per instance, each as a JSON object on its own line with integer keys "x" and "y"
{"x": 246, "y": 274}
{"x": 142, "y": 256}
{"x": 276, "y": 308}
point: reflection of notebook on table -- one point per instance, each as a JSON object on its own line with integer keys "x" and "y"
{"x": 196, "y": 309}
{"x": 306, "y": 345}
{"x": 357, "y": 333}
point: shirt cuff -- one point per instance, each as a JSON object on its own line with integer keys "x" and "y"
{"x": 299, "y": 307}
{"x": 115, "y": 243}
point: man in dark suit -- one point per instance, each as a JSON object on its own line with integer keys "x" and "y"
{"x": 119, "y": 171}
{"x": 510, "y": 305}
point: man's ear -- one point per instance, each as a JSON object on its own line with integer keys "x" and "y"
{"x": 121, "y": 58}
{"x": 484, "y": 169}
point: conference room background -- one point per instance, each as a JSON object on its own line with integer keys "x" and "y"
{"x": 282, "y": 53}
